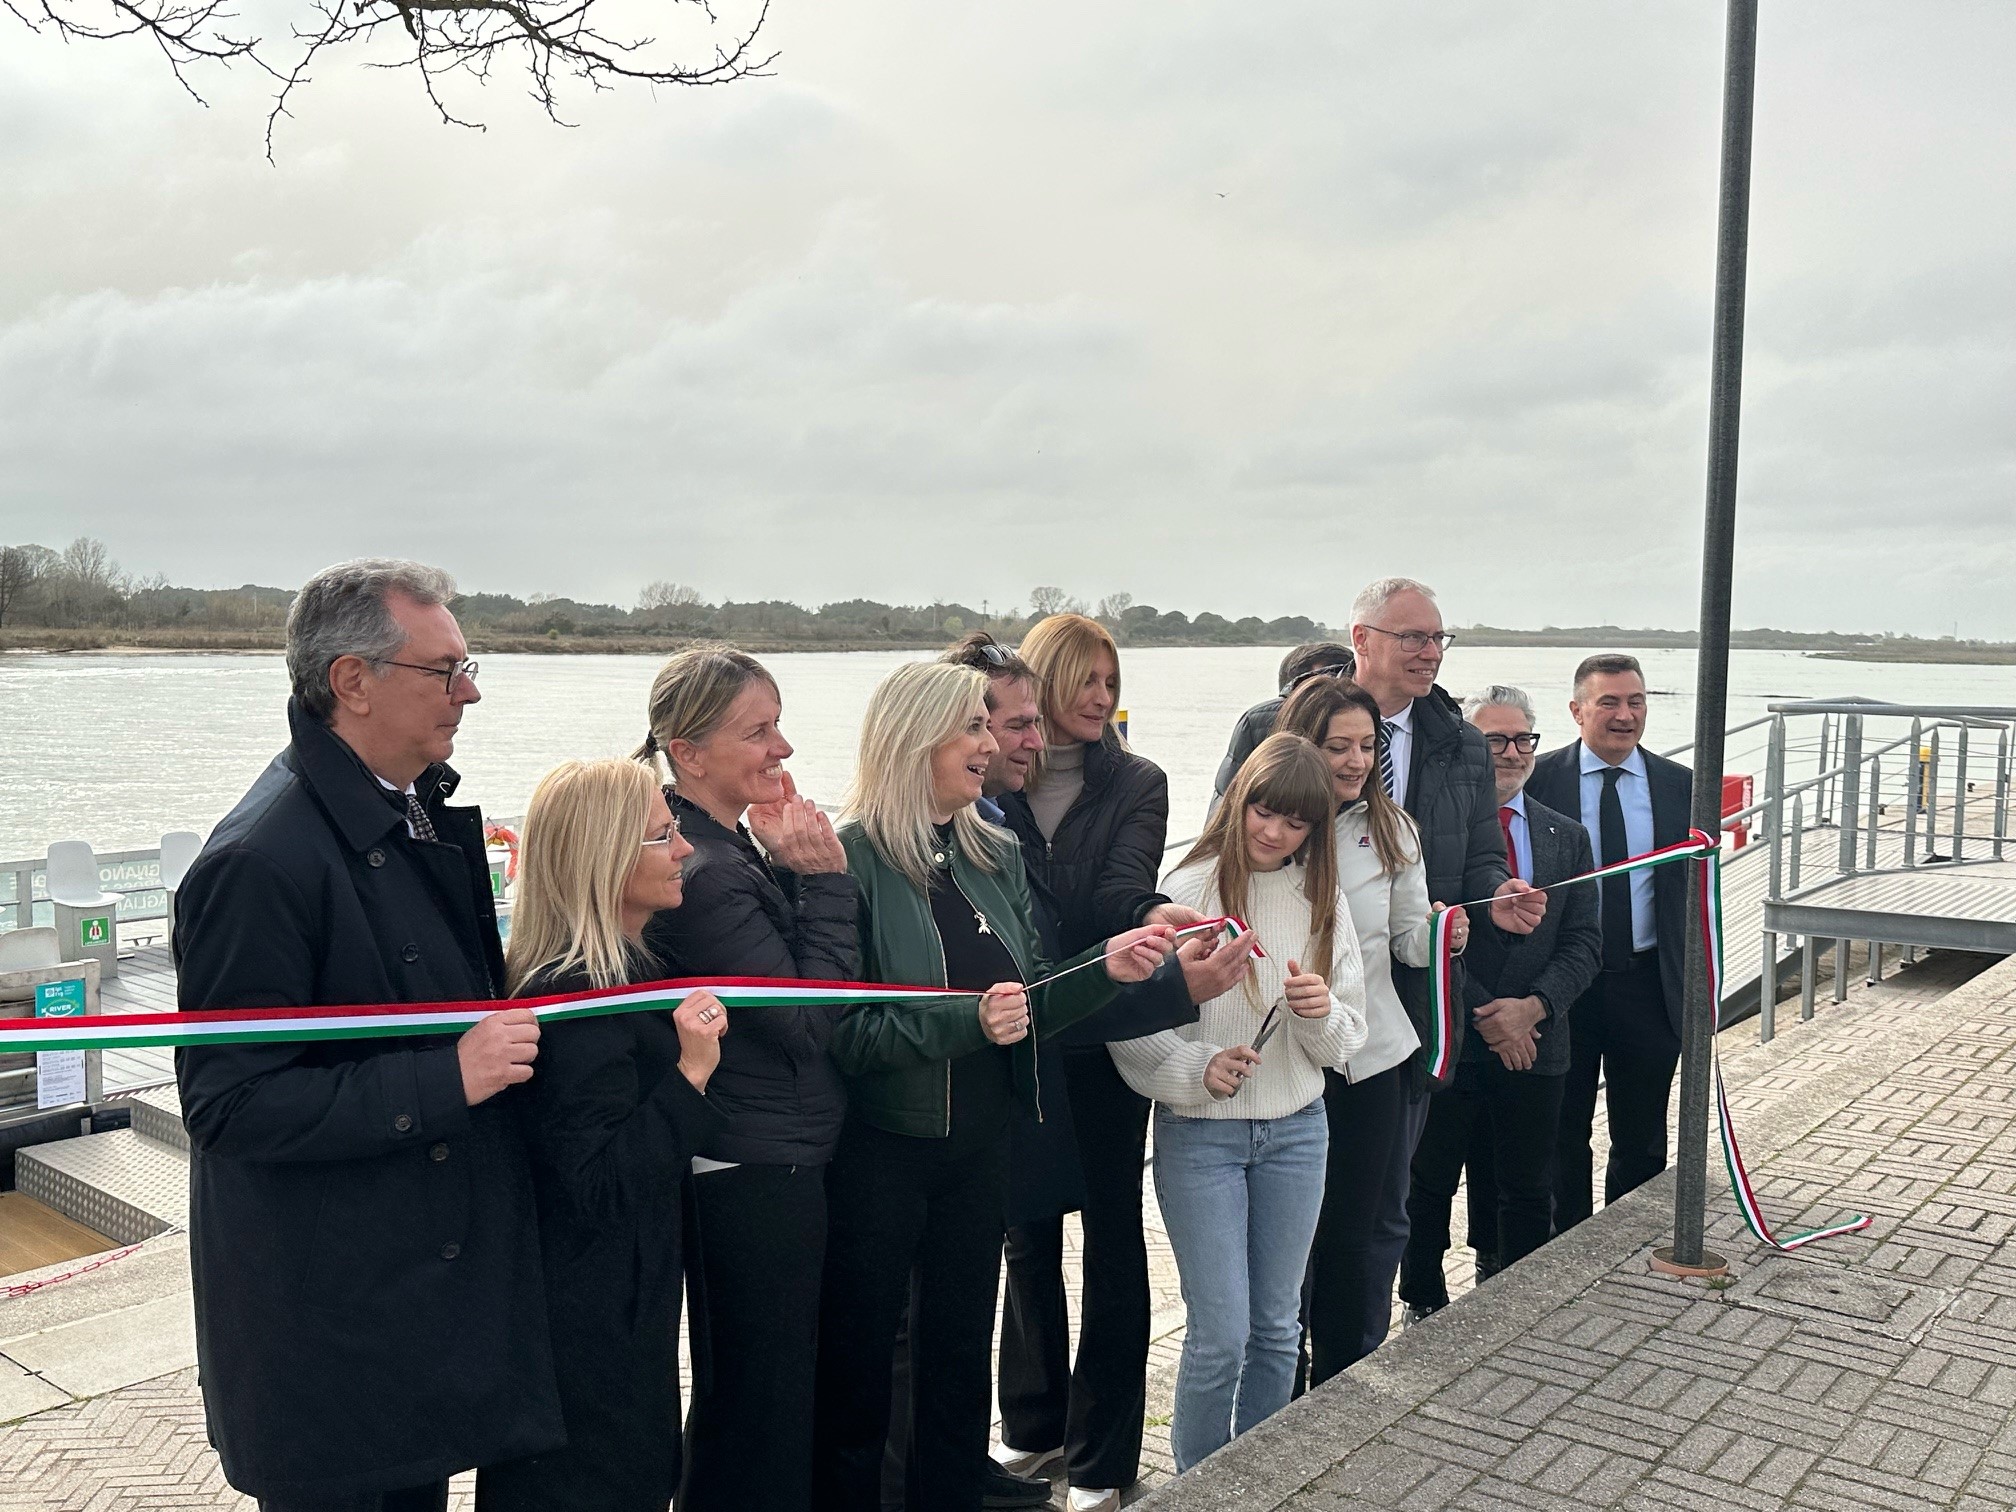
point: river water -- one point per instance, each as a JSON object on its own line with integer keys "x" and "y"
{"x": 118, "y": 749}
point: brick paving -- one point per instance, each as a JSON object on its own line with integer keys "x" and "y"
{"x": 1875, "y": 1371}
{"x": 1878, "y": 1372}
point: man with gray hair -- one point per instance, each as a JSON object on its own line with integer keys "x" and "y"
{"x": 370, "y": 1317}
{"x": 1436, "y": 767}
{"x": 1504, "y": 1107}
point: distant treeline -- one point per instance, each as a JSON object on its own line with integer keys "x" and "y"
{"x": 81, "y": 589}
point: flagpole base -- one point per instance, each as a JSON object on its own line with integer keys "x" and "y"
{"x": 1712, "y": 1264}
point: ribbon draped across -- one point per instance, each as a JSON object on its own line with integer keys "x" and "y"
{"x": 267, "y": 1026}
{"x": 1698, "y": 846}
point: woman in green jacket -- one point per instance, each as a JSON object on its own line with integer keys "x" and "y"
{"x": 920, "y": 1178}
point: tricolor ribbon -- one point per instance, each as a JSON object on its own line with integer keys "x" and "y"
{"x": 266, "y": 1026}
{"x": 1698, "y": 846}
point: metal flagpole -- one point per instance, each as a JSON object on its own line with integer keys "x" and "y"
{"x": 1725, "y": 404}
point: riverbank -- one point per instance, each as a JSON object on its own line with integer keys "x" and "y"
{"x": 482, "y": 642}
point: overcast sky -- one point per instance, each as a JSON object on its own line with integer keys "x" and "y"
{"x": 1231, "y": 306}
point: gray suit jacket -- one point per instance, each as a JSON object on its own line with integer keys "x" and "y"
{"x": 1556, "y": 962}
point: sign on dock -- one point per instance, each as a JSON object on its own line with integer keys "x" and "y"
{"x": 59, "y": 1074}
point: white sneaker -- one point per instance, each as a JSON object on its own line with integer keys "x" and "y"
{"x": 1025, "y": 1461}
{"x": 1083, "y": 1499}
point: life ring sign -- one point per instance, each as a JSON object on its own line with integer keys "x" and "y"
{"x": 501, "y": 837}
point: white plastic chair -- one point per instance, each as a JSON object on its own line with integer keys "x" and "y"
{"x": 179, "y": 849}
{"x": 72, "y": 874}
{"x": 29, "y": 949}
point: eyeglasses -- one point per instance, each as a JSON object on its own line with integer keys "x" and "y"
{"x": 449, "y": 674}
{"x": 664, "y": 839}
{"x": 1412, "y": 641}
{"x": 1528, "y": 743}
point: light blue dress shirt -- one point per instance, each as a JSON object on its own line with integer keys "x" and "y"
{"x": 1634, "y": 793}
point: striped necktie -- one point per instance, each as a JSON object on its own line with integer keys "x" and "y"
{"x": 1386, "y": 775}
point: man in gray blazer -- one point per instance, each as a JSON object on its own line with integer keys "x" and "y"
{"x": 1504, "y": 1105}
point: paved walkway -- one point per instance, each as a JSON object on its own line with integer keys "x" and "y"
{"x": 1569, "y": 1378}
{"x": 1875, "y": 1371}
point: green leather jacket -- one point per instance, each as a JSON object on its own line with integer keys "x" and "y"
{"x": 897, "y": 1057}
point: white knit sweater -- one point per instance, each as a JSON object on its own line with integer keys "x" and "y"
{"x": 1169, "y": 1066}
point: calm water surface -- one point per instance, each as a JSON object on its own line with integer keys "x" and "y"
{"x": 117, "y": 749}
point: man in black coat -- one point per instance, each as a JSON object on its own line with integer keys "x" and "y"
{"x": 1627, "y": 1026}
{"x": 1435, "y": 766}
{"x": 1517, "y": 990}
{"x": 369, "y": 1312}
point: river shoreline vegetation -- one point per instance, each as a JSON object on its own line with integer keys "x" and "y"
{"x": 79, "y": 600}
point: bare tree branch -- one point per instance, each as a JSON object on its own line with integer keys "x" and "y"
{"x": 555, "y": 41}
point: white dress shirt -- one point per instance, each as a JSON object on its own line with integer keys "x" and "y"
{"x": 1399, "y": 732}
{"x": 1634, "y": 793}
{"x": 1522, "y": 837}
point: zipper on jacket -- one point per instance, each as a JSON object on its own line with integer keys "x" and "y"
{"x": 945, "y": 981}
{"x": 1035, "y": 1063}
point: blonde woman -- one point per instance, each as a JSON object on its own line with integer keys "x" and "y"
{"x": 1240, "y": 1133}
{"x": 919, "y": 1181}
{"x": 1093, "y": 821}
{"x": 1363, "y": 1228}
{"x": 756, "y": 1239}
{"x": 613, "y": 1117}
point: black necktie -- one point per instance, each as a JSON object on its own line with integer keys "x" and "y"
{"x": 1387, "y": 777}
{"x": 423, "y": 827}
{"x": 1616, "y": 890}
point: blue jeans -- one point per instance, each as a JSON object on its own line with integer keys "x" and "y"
{"x": 1240, "y": 1197}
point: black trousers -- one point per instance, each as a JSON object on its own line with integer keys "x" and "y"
{"x": 755, "y": 1249}
{"x": 1349, "y": 1297}
{"x": 1517, "y": 1114}
{"x": 1620, "y": 1031}
{"x": 895, "y": 1202}
{"x": 1095, "y": 1409}
{"x": 430, "y": 1498}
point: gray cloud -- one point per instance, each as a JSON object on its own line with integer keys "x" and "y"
{"x": 1233, "y": 307}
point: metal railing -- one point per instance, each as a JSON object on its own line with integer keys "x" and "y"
{"x": 1922, "y": 774}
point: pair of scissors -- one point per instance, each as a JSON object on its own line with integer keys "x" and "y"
{"x": 1267, "y": 1027}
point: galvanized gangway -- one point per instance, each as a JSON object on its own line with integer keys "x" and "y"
{"x": 1920, "y": 828}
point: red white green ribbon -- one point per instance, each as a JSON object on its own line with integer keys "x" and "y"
{"x": 267, "y": 1026}
{"x": 1706, "y": 848}
{"x": 261, "y": 1026}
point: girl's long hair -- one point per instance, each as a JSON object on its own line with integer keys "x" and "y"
{"x": 1308, "y": 713}
{"x": 1287, "y": 774}
{"x": 917, "y": 708}
{"x": 1060, "y": 650}
{"x": 574, "y": 862}
{"x": 690, "y": 696}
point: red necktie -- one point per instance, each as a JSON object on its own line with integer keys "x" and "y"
{"x": 1511, "y": 850}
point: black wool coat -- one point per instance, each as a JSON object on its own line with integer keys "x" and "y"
{"x": 613, "y": 1126}
{"x": 777, "y": 1091}
{"x": 369, "y": 1312}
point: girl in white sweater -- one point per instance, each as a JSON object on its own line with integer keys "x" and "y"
{"x": 1240, "y": 1132}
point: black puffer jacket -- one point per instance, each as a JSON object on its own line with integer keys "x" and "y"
{"x": 1254, "y": 726}
{"x": 1454, "y": 801}
{"x": 1102, "y": 863}
{"x": 777, "y": 1091}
